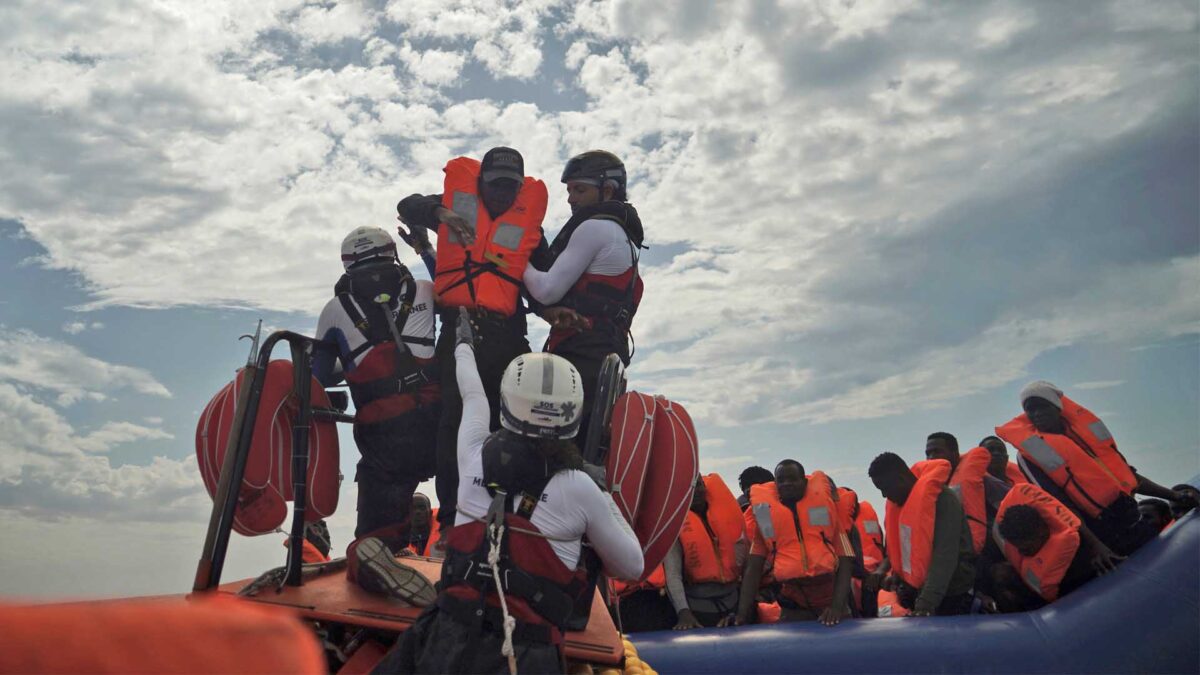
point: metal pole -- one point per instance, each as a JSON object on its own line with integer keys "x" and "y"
{"x": 233, "y": 469}
{"x": 302, "y": 369}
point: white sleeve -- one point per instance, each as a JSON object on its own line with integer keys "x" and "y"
{"x": 610, "y": 535}
{"x": 473, "y": 429}
{"x": 586, "y": 244}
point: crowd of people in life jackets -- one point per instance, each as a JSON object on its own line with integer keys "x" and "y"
{"x": 498, "y": 427}
{"x": 962, "y": 532}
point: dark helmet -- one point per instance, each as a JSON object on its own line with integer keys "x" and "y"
{"x": 597, "y": 166}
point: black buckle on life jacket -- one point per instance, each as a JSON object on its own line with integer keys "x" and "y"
{"x": 472, "y": 270}
{"x": 552, "y": 602}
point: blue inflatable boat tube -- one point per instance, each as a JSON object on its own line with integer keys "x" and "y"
{"x": 1142, "y": 618}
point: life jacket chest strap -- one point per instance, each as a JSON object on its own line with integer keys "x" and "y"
{"x": 552, "y": 601}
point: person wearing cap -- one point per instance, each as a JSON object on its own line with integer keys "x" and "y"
{"x": 488, "y": 222}
{"x": 1068, "y": 451}
{"x": 591, "y": 287}
{"x": 379, "y": 332}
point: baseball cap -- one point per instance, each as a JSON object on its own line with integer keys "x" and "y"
{"x": 503, "y": 163}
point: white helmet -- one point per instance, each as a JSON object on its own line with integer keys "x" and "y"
{"x": 541, "y": 395}
{"x": 367, "y": 243}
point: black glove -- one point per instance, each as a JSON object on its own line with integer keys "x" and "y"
{"x": 464, "y": 332}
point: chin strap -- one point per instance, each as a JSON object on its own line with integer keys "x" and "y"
{"x": 495, "y": 534}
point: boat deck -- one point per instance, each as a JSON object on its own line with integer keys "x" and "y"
{"x": 332, "y": 598}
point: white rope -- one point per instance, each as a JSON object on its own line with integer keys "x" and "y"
{"x": 495, "y": 532}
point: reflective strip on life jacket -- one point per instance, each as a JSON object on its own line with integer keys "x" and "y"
{"x": 709, "y": 552}
{"x": 1042, "y": 572}
{"x": 808, "y": 552}
{"x": 1093, "y": 474}
{"x": 967, "y": 485}
{"x": 488, "y": 273}
{"x": 870, "y": 536}
{"x": 912, "y": 524}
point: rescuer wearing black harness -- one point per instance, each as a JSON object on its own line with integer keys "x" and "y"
{"x": 511, "y": 572}
{"x": 379, "y": 330}
{"x": 590, "y": 281}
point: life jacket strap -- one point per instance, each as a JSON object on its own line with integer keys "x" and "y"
{"x": 472, "y": 270}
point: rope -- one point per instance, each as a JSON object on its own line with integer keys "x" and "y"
{"x": 495, "y": 533}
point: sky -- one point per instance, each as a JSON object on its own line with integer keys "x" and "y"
{"x": 868, "y": 221}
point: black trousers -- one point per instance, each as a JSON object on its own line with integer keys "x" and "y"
{"x": 438, "y": 643}
{"x": 587, "y": 351}
{"x": 396, "y": 455}
{"x": 498, "y": 342}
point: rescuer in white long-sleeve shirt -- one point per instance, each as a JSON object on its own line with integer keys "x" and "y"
{"x": 572, "y": 505}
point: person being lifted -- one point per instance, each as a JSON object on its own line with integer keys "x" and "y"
{"x": 379, "y": 330}
{"x": 796, "y": 521}
{"x": 591, "y": 285}
{"x": 524, "y": 506}
{"x": 704, "y": 566}
{"x": 929, "y": 545}
{"x": 488, "y": 221}
{"x": 1068, "y": 452}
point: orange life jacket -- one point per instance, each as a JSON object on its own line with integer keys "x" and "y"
{"x": 803, "y": 543}
{"x": 1043, "y": 571}
{"x": 434, "y": 535}
{"x": 1013, "y": 473}
{"x": 967, "y": 483}
{"x": 656, "y": 581}
{"x": 870, "y": 533}
{"x": 708, "y": 550}
{"x": 847, "y": 504}
{"x": 889, "y": 606}
{"x": 910, "y": 527}
{"x": 1085, "y": 464}
{"x": 488, "y": 273}
{"x": 309, "y": 553}
{"x": 769, "y": 612}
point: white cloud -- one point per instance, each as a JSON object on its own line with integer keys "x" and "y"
{"x": 77, "y": 327}
{"x": 432, "y": 66}
{"x": 46, "y": 364}
{"x": 345, "y": 19}
{"x": 506, "y": 36}
{"x": 49, "y": 470}
{"x": 1099, "y": 384}
{"x": 800, "y": 162}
